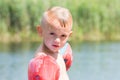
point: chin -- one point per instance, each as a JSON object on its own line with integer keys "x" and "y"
{"x": 55, "y": 51}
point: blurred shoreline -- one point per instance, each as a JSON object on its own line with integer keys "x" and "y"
{"x": 34, "y": 37}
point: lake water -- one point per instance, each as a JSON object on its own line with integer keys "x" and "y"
{"x": 92, "y": 61}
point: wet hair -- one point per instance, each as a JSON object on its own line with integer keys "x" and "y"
{"x": 62, "y": 15}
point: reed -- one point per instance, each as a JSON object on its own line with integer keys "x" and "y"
{"x": 93, "y": 19}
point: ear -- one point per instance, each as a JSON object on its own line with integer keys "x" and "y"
{"x": 39, "y": 30}
{"x": 70, "y": 33}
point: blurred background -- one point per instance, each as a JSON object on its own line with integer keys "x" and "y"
{"x": 95, "y": 40}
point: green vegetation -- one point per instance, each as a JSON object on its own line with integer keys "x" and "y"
{"x": 93, "y": 19}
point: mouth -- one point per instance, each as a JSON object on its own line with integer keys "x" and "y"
{"x": 56, "y": 46}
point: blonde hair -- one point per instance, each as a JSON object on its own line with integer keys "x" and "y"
{"x": 61, "y": 14}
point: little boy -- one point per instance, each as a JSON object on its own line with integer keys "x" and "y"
{"x": 55, "y": 29}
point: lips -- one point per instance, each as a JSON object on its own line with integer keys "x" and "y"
{"x": 56, "y": 46}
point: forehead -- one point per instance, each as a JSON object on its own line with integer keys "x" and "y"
{"x": 57, "y": 29}
{"x": 58, "y": 25}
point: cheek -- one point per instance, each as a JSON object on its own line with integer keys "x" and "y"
{"x": 64, "y": 39}
{"x": 48, "y": 40}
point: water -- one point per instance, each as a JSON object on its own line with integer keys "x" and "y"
{"x": 92, "y": 61}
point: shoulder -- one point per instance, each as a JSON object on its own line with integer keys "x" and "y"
{"x": 44, "y": 67}
{"x": 42, "y": 60}
{"x": 66, "y": 49}
{"x": 36, "y": 62}
{"x": 66, "y": 52}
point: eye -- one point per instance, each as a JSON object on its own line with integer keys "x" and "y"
{"x": 51, "y": 33}
{"x": 63, "y": 35}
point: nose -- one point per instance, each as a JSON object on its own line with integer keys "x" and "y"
{"x": 57, "y": 40}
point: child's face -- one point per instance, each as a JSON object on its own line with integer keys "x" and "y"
{"x": 55, "y": 37}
